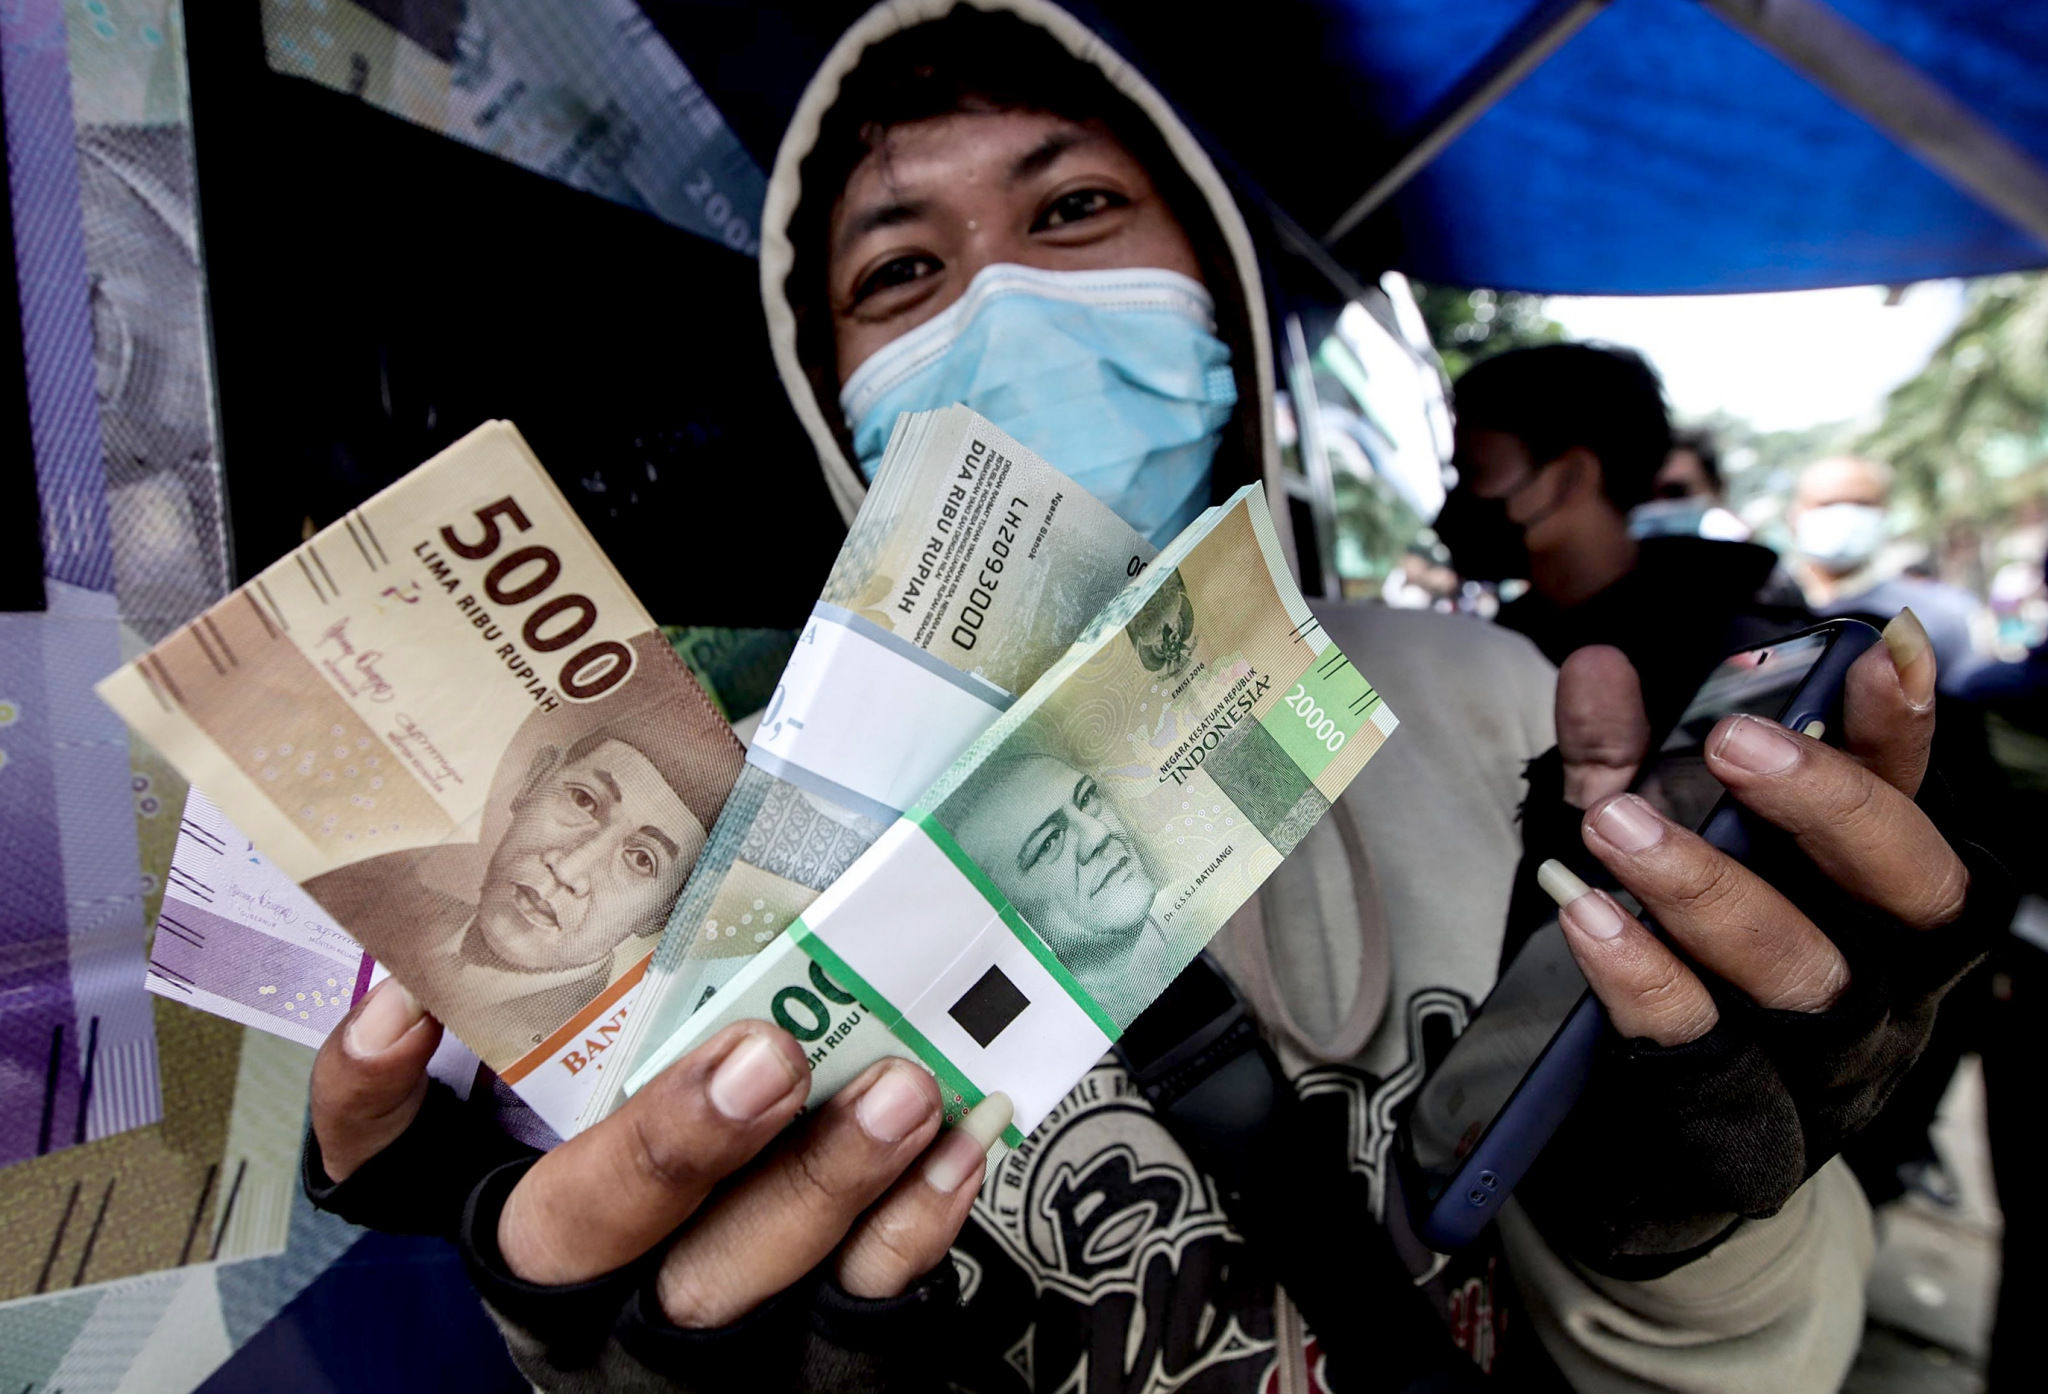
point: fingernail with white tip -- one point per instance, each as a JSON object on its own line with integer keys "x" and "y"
{"x": 964, "y": 1151}
{"x": 1579, "y": 905}
{"x": 1912, "y": 658}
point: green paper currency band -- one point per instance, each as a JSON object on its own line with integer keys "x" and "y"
{"x": 935, "y": 1060}
{"x": 1019, "y": 926}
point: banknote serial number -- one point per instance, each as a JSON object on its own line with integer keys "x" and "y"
{"x": 529, "y": 572}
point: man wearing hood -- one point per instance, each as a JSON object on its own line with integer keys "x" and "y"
{"x": 984, "y": 203}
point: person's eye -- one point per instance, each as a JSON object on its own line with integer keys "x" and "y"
{"x": 897, "y": 271}
{"x": 1076, "y": 206}
{"x": 582, "y": 798}
{"x": 642, "y": 862}
{"x": 1085, "y": 795}
{"x": 1046, "y": 846}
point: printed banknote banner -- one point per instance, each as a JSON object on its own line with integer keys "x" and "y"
{"x": 166, "y": 1330}
{"x": 77, "y": 1044}
{"x": 214, "y": 1180}
{"x": 447, "y": 718}
{"x": 151, "y": 348}
{"x": 971, "y": 566}
{"x": 589, "y": 94}
{"x": 152, "y": 351}
{"x": 1013, "y": 922}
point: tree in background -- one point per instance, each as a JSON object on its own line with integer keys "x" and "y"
{"x": 1966, "y": 435}
{"x": 1468, "y": 325}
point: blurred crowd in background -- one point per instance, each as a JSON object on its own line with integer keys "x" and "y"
{"x": 1938, "y": 498}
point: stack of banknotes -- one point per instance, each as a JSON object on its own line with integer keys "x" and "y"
{"x": 1015, "y": 774}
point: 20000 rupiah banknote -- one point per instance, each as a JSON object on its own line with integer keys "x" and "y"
{"x": 1014, "y": 921}
{"x": 448, "y": 719}
{"x": 970, "y": 568}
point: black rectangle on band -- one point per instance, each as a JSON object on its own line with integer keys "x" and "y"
{"x": 985, "y": 1009}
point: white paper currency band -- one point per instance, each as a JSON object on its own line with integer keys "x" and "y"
{"x": 920, "y": 934}
{"x": 867, "y": 719}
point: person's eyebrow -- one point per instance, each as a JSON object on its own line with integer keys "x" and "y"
{"x": 675, "y": 853}
{"x": 1047, "y": 152}
{"x": 1032, "y": 838}
{"x": 611, "y": 785}
{"x": 894, "y": 213}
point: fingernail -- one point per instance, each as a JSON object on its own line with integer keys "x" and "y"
{"x": 750, "y": 1079}
{"x": 1912, "y": 658}
{"x": 966, "y": 1148}
{"x": 957, "y": 1158}
{"x": 893, "y": 1105}
{"x": 391, "y": 1012}
{"x": 1560, "y": 882}
{"x": 1629, "y": 824}
{"x": 1759, "y": 746}
{"x": 1579, "y": 905}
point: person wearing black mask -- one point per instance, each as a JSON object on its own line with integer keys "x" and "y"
{"x": 1555, "y": 446}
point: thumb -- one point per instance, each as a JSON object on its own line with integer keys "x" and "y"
{"x": 371, "y": 1076}
{"x": 1602, "y": 731}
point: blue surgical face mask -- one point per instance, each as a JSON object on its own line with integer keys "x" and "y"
{"x": 1670, "y": 517}
{"x": 1840, "y": 536}
{"x": 1116, "y": 377}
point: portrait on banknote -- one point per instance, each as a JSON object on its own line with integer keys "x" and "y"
{"x": 1073, "y": 859}
{"x": 1054, "y": 842}
{"x": 586, "y": 838}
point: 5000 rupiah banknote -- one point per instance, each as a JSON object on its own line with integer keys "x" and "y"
{"x": 447, "y": 718}
{"x": 971, "y": 567}
{"x": 1013, "y": 922}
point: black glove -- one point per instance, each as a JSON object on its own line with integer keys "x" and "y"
{"x": 449, "y": 1174}
{"x": 610, "y": 1332}
{"x": 1671, "y": 1147}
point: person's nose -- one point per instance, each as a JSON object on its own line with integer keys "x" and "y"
{"x": 991, "y": 240}
{"x": 1091, "y": 836}
{"x": 575, "y": 865}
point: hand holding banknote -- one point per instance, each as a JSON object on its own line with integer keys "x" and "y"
{"x": 447, "y": 718}
{"x": 862, "y": 1177}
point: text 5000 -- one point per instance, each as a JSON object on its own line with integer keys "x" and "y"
{"x": 526, "y": 573}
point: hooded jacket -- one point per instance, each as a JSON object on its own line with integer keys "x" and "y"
{"x": 1251, "y": 453}
{"x": 1098, "y": 1256}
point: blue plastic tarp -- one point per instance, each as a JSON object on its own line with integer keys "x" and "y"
{"x": 1658, "y": 151}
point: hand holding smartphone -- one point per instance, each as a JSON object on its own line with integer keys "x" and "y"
{"x": 1510, "y": 1080}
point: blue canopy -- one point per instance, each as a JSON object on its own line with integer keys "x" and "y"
{"x": 1658, "y": 149}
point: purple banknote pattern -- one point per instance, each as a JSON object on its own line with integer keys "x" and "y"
{"x": 77, "y": 1043}
{"x": 238, "y": 939}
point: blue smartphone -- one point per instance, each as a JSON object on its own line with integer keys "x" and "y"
{"x": 1510, "y": 1079}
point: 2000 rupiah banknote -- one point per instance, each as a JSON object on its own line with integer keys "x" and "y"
{"x": 449, "y": 720}
{"x": 1051, "y": 883}
{"x": 968, "y": 571}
